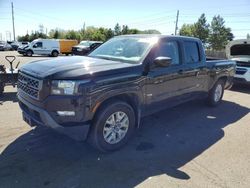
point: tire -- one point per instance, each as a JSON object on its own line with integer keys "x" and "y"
{"x": 1, "y": 88}
{"x": 55, "y": 53}
{"x": 215, "y": 95}
{"x": 104, "y": 135}
{"x": 29, "y": 53}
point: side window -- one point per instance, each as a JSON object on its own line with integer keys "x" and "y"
{"x": 38, "y": 45}
{"x": 93, "y": 46}
{"x": 169, "y": 49}
{"x": 191, "y": 52}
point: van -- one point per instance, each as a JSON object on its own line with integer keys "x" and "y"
{"x": 51, "y": 47}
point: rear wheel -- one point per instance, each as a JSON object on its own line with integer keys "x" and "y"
{"x": 112, "y": 126}
{"x": 216, "y": 93}
{"x": 54, "y": 53}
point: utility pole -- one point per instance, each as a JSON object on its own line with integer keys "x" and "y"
{"x": 176, "y": 22}
{"x": 12, "y": 8}
{"x": 84, "y": 26}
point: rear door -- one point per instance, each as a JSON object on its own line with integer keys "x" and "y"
{"x": 194, "y": 69}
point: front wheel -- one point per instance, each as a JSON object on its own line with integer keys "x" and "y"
{"x": 112, "y": 127}
{"x": 29, "y": 53}
{"x": 216, "y": 93}
{"x": 55, "y": 54}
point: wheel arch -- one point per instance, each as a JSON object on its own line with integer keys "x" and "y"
{"x": 30, "y": 50}
{"x": 130, "y": 98}
{"x": 55, "y": 50}
{"x": 223, "y": 78}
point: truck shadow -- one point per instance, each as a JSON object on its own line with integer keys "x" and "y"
{"x": 164, "y": 143}
{"x": 243, "y": 88}
{"x": 8, "y": 96}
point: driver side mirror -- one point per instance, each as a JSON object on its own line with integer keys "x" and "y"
{"x": 162, "y": 61}
{"x": 35, "y": 46}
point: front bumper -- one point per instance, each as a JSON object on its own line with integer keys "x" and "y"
{"x": 81, "y": 52}
{"x": 21, "y": 51}
{"x": 242, "y": 75}
{"x": 36, "y": 116}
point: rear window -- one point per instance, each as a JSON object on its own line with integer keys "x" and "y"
{"x": 240, "y": 49}
{"x": 191, "y": 52}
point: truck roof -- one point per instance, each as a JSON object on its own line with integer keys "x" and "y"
{"x": 160, "y": 36}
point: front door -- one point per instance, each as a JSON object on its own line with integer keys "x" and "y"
{"x": 38, "y": 48}
{"x": 165, "y": 84}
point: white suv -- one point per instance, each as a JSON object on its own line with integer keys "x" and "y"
{"x": 239, "y": 51}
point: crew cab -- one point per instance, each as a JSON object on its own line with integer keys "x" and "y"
{"x": 103, "y": 96}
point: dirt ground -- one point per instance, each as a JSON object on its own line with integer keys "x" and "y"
{"x": 191, "y": 145}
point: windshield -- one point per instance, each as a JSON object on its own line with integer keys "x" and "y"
{"x": 241, "y": 49}
{"x": 125, "y": 49}
{"x": 31, "y": 44}
{"x": 85, "y": 43}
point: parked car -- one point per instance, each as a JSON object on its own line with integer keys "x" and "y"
{"x": 14, "y": 45}
{"x": 103, "y": 96}
{"x": 85, "y": 47}
{"x": 239, "y": 51}
{"x": 51, "y": 47}
{"x": 4, "y": 46}
{"x": 23, "y": 43}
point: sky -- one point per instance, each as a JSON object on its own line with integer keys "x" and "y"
{"x": 140, "y": 14}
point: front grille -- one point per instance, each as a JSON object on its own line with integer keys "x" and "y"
{"x": 240, "y": 71}
{"x": 29, "y": 85}
{"x": 243, "y": 64}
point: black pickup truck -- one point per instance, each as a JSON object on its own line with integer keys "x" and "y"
{"x": 103, "y": 96}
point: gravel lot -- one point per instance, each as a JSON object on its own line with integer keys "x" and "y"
{"x": 191, "y": 145}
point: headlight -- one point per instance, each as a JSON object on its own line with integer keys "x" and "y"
{"x": 63, "y": 87}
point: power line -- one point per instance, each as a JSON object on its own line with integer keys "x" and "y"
{"x": 241, "y": 30}
{"x": 41, "y": 15}
{"x": 150, "y": 21}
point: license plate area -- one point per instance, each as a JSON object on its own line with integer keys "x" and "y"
{"x": 28, "y": 120}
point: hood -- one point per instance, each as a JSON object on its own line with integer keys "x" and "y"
{"x": 81, "y": 46}
{"x": 75, "y": 67}
{"x": 23, "y": 46}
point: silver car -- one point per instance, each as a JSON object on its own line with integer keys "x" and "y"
{"x": 4, "y": 46}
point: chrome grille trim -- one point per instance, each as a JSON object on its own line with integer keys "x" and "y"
{"x": 29, "y": 85}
